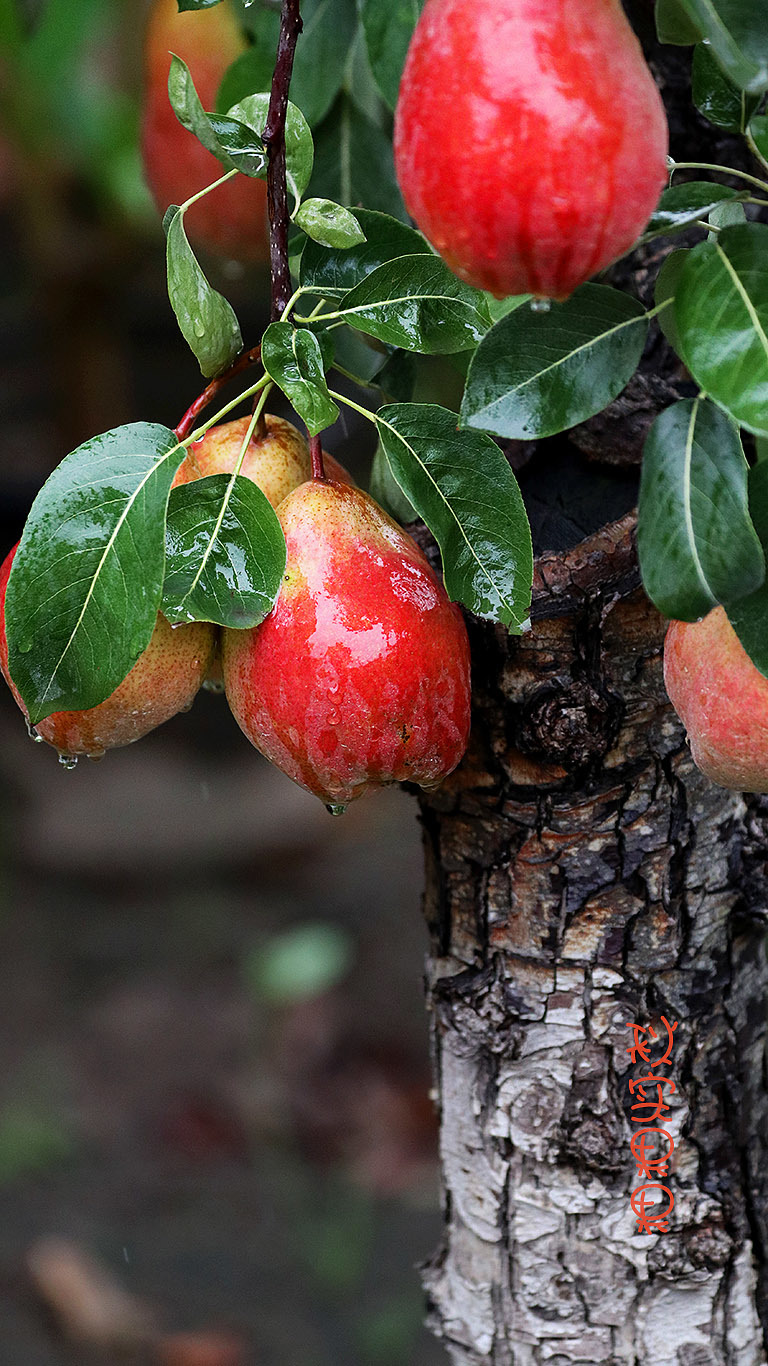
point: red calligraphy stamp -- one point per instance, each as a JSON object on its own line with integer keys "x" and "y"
{"x": 652, "y": 1146}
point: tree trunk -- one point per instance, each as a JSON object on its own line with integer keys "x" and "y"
{"x": 581, "y": 874}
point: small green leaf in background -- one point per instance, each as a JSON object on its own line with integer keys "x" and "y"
{"x": 299, "y": 148}
{"x": 664, "y": 293}
{"x": 681, "y": 205}
{"x": 207, "y": 321}
{"x": 417, "y": 303}
{"x": 329, "y": 224}
{"x": 721, "y": 313}
{"x": 388, "y": 31}
{"x": 674, "y": 26}
{"x": 84, "y": 590}
{"x": 537, "y": 373}
{"x": 717, "y": 98}
{"x": 334, "y": 272}
{"x": 225, "y": 553}
{"x": 354, "y": 162}
{"x": 758, "y": 131}
{"x": 300, "y": 963}
{"x": 462, "y": 487}
{"x": 185, "y": 5}
{"x": 293, "y": 359}
{"x": 726, "y": 215}
{"x": 738, "y": 36}
{"x": 749, "y": 615}
{"x": 695, "y": 539}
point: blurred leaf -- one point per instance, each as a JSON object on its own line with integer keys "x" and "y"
{"x": 417, "y": 303}
{"x": 332, "y": 272}
{"x": 225, "y": 553}
{"x": 538, "y": 373}
{"x": 31, "y": 1142}
{"x": 695, "y": 539}
{"x": 749, "y": 615}
{"x": 673, "y": 25}
{"x": 386, "y": 491}
{"x": 300, "y": 963}
{"x": 353, "y": 162}
{"x": 717, "y": 98}
{"x": 388, "y": 31}
{"x": 738, "y": 35}
{"x": 85, "y": 586}
{"x": 397, "y": 376}
{"x": 758, "y": 131}
{"x": 721, "y": 313}
{"x": 666, "y": 284}
{"x": 207, "y": 321}
{"x": 462, "y": 487}
{"x": 329, "y": 224}
{"x": 681, "y": 205}
{"x": 299, "y": 151}
{"x": 293, "y": 359}
{"x": 196, "y": 4}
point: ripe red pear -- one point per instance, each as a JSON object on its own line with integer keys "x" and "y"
{"x": 360, "y": 675}
{"x": 232, "y": 220}
{"x": 530, "y": 140}
{"x": 162, "y": 682}
{"x": 277, "y": 458}
{"x": 721, "y": 699}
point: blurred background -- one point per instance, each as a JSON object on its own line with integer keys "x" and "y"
{"x": 217, "y": 1144}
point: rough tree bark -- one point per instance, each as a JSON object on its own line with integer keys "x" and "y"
{"x": 581, "y": 874}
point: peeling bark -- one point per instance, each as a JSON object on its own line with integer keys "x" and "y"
{"x": 582, "y": 874}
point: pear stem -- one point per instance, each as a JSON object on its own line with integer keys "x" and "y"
{"x": 274, "y": 138}
{"x": 316, "y": 452}
{"x": 247, "y": 358}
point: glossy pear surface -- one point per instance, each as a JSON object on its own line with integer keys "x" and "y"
{"x": 232, "y": 220}
{"x": 162, "y": 682}
{"x": 721, "y": 699}
{"x": 277, "y": 459}
{"x": 360, "y": 675}
{"x": 530, "y": 140}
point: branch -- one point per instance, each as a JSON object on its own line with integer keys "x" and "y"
{"x": 247, "y": 358}
{"x": 274, "y": 138}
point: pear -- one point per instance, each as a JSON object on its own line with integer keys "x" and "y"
{"x": 162, "y": 682}
{"x": 277, "y": 458}
{"x": 722, "y": 700}
{"x": 530, "y": 140}
{"x": 232, "y": 220}
{"x": 360, "y": 675}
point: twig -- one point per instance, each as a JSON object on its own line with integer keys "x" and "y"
{"x": 274, "y": 138}
{"x": 316, "y": 452}
{"x": 247, "y": 358}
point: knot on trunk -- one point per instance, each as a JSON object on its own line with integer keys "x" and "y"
{"x": 575, "y": 725}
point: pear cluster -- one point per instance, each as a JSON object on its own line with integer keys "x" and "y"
{"x": 359, "y": 677}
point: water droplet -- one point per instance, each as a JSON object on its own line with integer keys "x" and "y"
{"x": 213, "y": 685}
{"x": 187, "y": 708}
{"x": 541, "y": 305}
{"x": 198, "y": 327}
{"x": 335, "y": 809}
{"x": 33, "y": 735}
{"x": 334, "y": 717}
{"x": 68, "y": 761}
{"x": 671, "y": 163}
{"x": 95, "y": 755}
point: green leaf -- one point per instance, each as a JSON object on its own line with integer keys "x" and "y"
{"x": 336, "y": 271}
{"x": 416, "y": 302}
{"x": 329, "y": 224}
{"x": 293, "y": 359}
{"x": 236, "y": 146}
{"x": 84, "y": 590}
{"x": 537, "y": 373}
{"x": 387, "y": 492}
{"x": 717, "y": 98}
{"x": 666, "y": 284}
{"x": 321, "y": 53}
{"x": 681, "y": 205}
{"x": 721, "y": 313}
{"x": 184, "y": 5}
{"x": 463, "y": 488}
{"x": 299, "y": 150}
{"x": 300, "y": 963}
{"x": 726, "y": 215}
{"x": 354, "y": 163}
{"x": 397, "y": 376}
{"x": 388, "y": 31}
{"x": 207, "y": 321}
{"x": 749, "y": 615}
{"x": 225, "y": 553}
{"x": 695, "y": 539}
{"x": 738, "y": 35}
{"x": 758, "y": 131}
{"x": 673, "y": 24}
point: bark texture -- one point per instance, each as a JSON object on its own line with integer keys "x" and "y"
{"x": 581, "y": 874}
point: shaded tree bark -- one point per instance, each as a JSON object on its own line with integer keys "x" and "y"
{"x": 582, "y": 874}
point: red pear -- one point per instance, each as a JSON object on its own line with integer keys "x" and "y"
{"x": 277, "y": 458}
{"x": 360, "y": 675}
{"x": 162, "y": 682}
{"x": 530, "y": 140}
{"x": 233, "y": 219}
{"x": 721, "y": 699}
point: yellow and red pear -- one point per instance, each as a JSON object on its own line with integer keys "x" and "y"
{"x": 360, "y": 675}
{"x": 277, "y": 457}
{"x": 530, "y": 140}
{"x": 162, "y": 682}
{"x": 722, "y": 700}
{"x": 232, "y": 220}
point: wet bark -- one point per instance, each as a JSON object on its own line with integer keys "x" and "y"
{"x": 581, "y": 874}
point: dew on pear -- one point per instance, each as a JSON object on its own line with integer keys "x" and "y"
{"x": 335, "y": 808}
{"x": 541, "y": 305}
{"x": 68, "y": 761}
{"x": 34, "y": 735}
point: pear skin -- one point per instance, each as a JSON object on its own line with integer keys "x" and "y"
{"x": 360, "y": 675}
{"x": 277, "y": 459}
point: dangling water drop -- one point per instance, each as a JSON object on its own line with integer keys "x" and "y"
{"x": 335, "y": 809}
{"x": 541, "y": 305}
{"x": 68, "y": 761}
{"x": 96, "y": 755}
{"x": 33, "y": 735}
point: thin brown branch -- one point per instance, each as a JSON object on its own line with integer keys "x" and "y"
{"x": 316, "y": 452}
{"x": 274, "y": 138}
{"x": 247, "y": 358}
